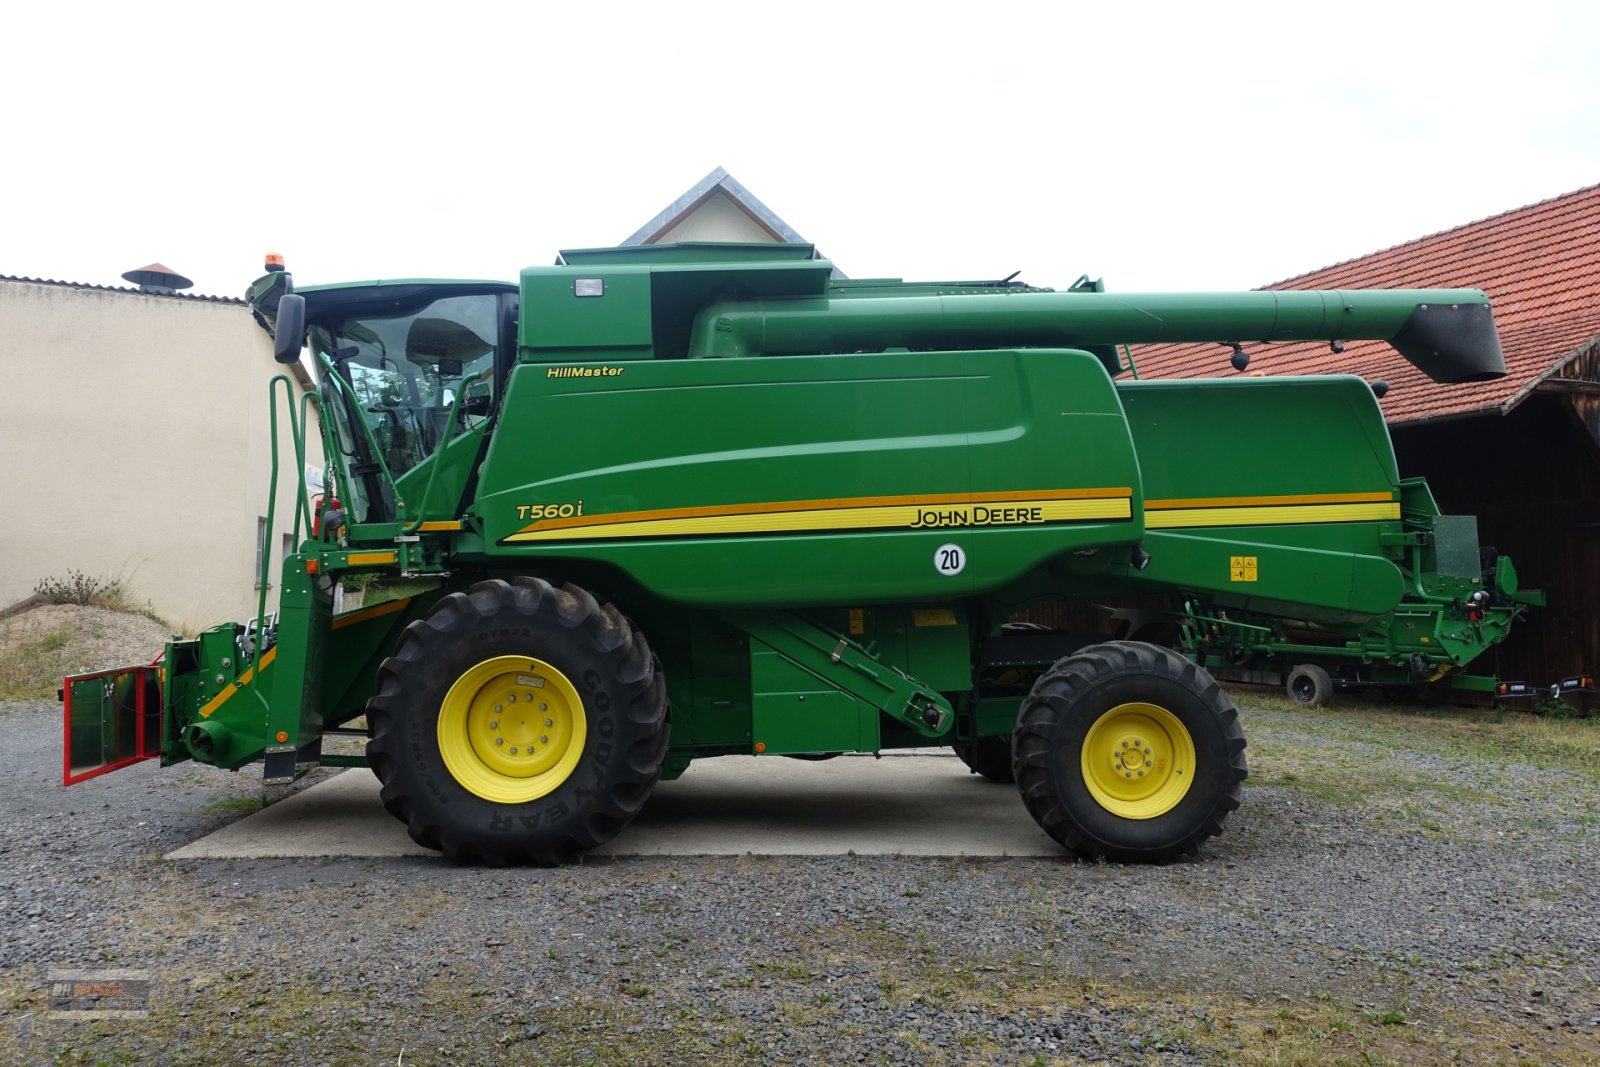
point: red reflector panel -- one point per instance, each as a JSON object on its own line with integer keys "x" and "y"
{"x": 112, "y": 719}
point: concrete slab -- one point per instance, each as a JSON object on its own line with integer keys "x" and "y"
{"x": 911, "y": 805}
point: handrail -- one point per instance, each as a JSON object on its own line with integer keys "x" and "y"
{"x": 354, "y": 408}
{"x": 298, "y": 422}
{"x": 438, "y": 453}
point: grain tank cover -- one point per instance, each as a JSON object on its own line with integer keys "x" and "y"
{"x": 690, "y": 252}
{"x": 639, "y": 302}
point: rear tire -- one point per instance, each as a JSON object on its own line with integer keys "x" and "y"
{"x": 518, "y": 723}
{"x": 988, "y": 756}
{"x": 1129, "y": 751}
{"x": 1309, "y": 686}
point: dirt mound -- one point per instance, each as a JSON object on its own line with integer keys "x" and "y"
{"x": 37, "y": 647}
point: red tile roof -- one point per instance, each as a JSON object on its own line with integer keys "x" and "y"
{"x": 1539, "y": 264}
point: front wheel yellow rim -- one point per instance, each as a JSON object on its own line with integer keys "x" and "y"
{"x": 511, "y": 729}
{"x": 1138, "y": 761}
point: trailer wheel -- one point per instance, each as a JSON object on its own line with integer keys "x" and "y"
{"x": 1309, "y": 686}
{"x": 518, "y": 723}
{"x": 1129, "y": 751}
{"x": 988, "y": 756}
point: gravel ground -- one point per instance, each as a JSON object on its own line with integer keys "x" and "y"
{"x": 1395, "y": 888}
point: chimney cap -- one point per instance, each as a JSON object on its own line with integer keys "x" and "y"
{"x": 157, "y": 278}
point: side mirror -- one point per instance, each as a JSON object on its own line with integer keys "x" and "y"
{"x": 289, "y": 333}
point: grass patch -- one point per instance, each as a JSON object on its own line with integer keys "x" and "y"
{"x": 1300, "y": 1031}
{"x": 85, "y": 590}
{"x": 252, "y": 1013}
{"x": 1573, "y": 744}
{"x": 222, "y": 805}
{"x": 1483, "y": 735}
{"x": 28, "y": 666}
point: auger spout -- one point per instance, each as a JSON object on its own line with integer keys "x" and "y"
{"x": 1449, "y": 334}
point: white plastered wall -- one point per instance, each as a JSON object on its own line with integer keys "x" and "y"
{"x": 136, "y": 446}
{"x": 716, "y": 218}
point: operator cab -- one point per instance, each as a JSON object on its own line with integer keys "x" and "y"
{"x": 404, "y": 355}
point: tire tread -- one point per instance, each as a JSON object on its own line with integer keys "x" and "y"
{"x": 603, "y": 629}
{"x": 1052, "y": 703}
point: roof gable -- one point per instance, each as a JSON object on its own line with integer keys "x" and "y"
{"x": 1539, "y": 264}
{"x": 718, "y": 208}
{"x": 718, "y": 185}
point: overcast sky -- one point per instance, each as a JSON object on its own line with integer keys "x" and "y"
{"x": 1161, "y": 146}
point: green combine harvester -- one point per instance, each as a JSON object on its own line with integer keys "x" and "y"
{"x": 656, "y": 504}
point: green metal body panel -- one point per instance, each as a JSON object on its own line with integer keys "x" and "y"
{"x": 432, "y": 490}
{"x": 854, "y": 470}
{"x": 317, "y": 673}
{"x": 1251, "y": 437}
{"x": 793, "y": 711}
{"x": 822, "y": 499}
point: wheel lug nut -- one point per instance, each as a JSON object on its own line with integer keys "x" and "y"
{"x": 1124, "y": 744}
{"x": 1147, "y": 750}
{"x": 513, "y": 750}
{"x": 495, "y": 725}
{"x": 543, "y": 740}
{"x": 1149, "y": 763}
{"x": 549, "y": 722}
{"x": 1141, "y": 774}
{"x": 544, "y": 707}
{"x": 501, "y": 741}
{"x": 1125, "y": 774}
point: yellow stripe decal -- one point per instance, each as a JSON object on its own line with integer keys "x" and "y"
{"x": 363, "y": 614}
{"x": 440, "y": 527}
{"x": 769, "y": 507}
{"x": 364, "y": 559}
{"x": 1270, "y": 516}
{"x": 1268, "y": 501}
{"x": 972, "y": 510}
{"x": 244, "y": 679}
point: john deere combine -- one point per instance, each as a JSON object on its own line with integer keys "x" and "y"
{"x": 823, "y": 502}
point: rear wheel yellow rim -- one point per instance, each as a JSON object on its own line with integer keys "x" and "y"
{"x": 1138, "y": 761}
{"x": 511, "y": 729}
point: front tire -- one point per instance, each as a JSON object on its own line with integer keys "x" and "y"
{"x": 518, "y": 723}
{"x": 1129, "y": 751}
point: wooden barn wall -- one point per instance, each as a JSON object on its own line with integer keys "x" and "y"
{"x": 1585, "y": 367}
{"x": 1533, "y": 480}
